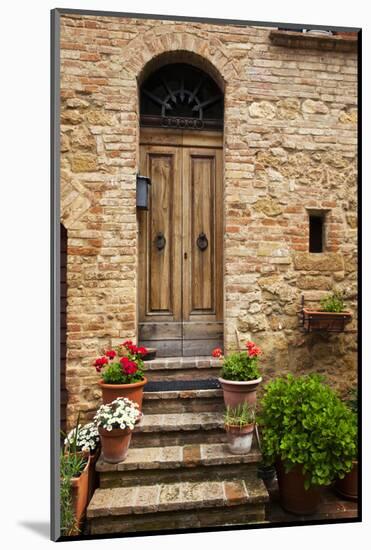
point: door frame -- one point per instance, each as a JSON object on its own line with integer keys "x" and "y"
{"x": 211, "y": 139}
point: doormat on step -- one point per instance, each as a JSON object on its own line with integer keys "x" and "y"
{"x": 178, "y": 385}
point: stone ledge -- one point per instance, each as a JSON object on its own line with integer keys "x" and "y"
{"x": 179, "y": 422}
{"x": 170, "y": 363}
{"x": 290, "y": 39}
{"x": 178, "y": 456}
{"x": 182, "y": 394}
{"x": 176, "y": 496}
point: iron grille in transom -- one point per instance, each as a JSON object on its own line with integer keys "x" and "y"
{"x": 181, "y": 96}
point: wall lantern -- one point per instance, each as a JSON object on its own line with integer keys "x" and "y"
{"x": 143, "y": 183}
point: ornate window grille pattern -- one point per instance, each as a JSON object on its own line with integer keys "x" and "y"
{"x": 181, "y": 96}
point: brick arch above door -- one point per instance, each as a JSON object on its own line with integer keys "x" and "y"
{"x": 147, "y": 48}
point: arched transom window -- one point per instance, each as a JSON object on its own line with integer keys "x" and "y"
{"x": 181, "y": 96}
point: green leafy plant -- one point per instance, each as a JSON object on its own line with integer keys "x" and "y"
{"x": 72, "y": 464}
{"x": 303, "y": 421}
{"x": 333, "y": 303}
{"x": 124, "y": 365}
{"x": 352, "y": 400}
{"x": 240, "y": 366}
{"x": 242, "y": 415}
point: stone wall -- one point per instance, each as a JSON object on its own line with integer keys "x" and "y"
{"x": 289, "y": 147}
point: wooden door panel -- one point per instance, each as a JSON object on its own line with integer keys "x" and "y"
{"x": 202, "y": 195}
{"x": 160, "y": 268}
{"x": 161, "y": 331}
{"x": 202, "y": 214}
{"x": 160, "y": 291}
{"x": 180, "y": 286}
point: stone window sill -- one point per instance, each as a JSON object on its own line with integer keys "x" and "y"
{"x": 290, "y": 39}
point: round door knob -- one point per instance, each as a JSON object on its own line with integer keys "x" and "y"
{"x": 202, "y": 242}
{"x": 160, "y": 241}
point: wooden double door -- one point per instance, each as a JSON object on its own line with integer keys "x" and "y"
{"x": 181, "y": 243}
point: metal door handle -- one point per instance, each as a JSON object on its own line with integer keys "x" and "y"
{"x": 202, "y": 242}
{"x": 160, "y": 241}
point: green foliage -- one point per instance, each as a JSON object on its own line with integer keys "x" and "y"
{"x": 334, "y": 302}
{"x": 242, "y": 415}
{"x": 352, "y": 400}
{"x": 114, "y": 374}
{"x": 72, "y": 464}
{"x": 240, "y": 367}
{"x": 304, "y": 422}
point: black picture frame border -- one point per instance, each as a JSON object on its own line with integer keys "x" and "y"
{"x": 55, "y": 221}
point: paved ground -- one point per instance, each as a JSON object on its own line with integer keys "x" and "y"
{"x": 332, "y": 507}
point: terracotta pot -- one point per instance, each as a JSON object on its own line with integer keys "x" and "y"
{"x": 293, "y": 496}
{"x": 239, "y": 438}
{"x": 80, "y": 492}
{"x": 348, "y": 486}
{"x": 134, "y": 392}
{"x": 237, "y": 393}
{"x": 115, "y": 444}
{"x": 93, "y": 478}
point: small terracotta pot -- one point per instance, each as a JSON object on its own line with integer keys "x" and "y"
{"x": 239, "y": 438}
{"x": 115, "y": 444}
{"x": 80, "y": 492}
{"x": 348, "y": 486}
{"x": 134, "y": 392}
{"x": 237, "y": 393}
{"x": 293, "y": 495}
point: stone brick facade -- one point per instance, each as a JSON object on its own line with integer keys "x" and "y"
{"x": 290, "y": 145}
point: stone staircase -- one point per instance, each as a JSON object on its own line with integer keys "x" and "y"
{"x": 179, "y": 472}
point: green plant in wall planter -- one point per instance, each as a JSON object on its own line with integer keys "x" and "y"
{"x": 309, "y": 434}
{"x": 334, "y": 303}
{"x": 330, "y": 317}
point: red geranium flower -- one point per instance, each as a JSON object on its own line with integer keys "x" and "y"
{"x": 130, "y": 368}
{"x": 127, "y": 344}
{"x": 111, "y": 354}
{"x": 217, "y": 352}
{"x": 142, "y": 351}
{"x": 124, "y": 361}
{"x": 100, "y": 362}
{"x": 252, "y": 349}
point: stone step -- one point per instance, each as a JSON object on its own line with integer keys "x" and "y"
{"x": 151, "y": 465}
{"x": 180, "y": 401}
{"x": 177, "y": 506}
{"x": 156, "y": 430}
{"x": 182, "y": 368}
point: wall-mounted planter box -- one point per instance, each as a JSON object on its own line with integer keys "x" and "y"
{"x": 316, "y": 321}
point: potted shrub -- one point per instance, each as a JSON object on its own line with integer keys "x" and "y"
{"x": 347, "y": 486}
{"x": 74, "y": 480}
{"x": 115, "y": 423}
{"x": 87, "y": 441}
{"x": 122, "y": 373}
{"x": 331, "y": 316}
{"x": 308, "y": 433}
{"x": 240, "y": 376}
{"x": 239, "y": 424}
